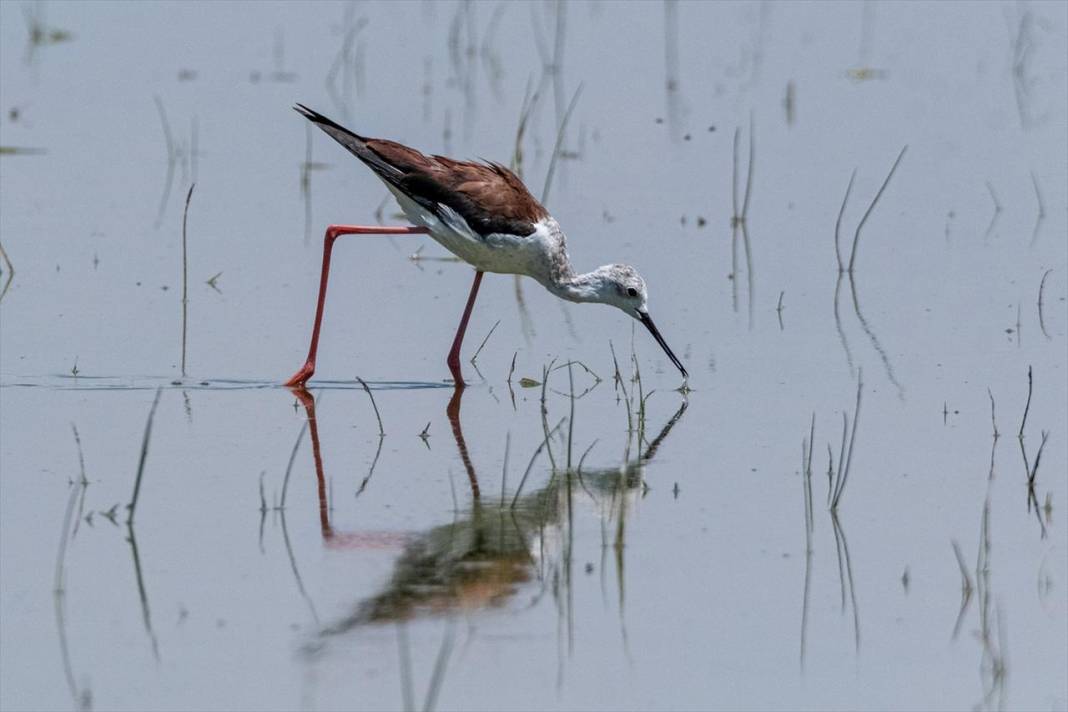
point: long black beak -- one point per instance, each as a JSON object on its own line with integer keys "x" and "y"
{"x": 648, "y": 321}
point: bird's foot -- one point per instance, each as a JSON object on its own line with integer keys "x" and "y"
{"x": 301, "y": 377}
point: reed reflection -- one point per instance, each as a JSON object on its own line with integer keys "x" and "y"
{"x": 846, "y": 268}
{"x": 495, "y": 547}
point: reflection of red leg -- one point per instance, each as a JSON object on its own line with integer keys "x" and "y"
{"x": 454, "y": 352}
{"x": 453, "y": 413}
{"x": 334, "y": 539}
{"x": 308, "y": 401}
{"x": 332, "y": 233}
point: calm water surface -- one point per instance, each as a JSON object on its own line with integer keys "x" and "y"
{"x": 285, "y": 555}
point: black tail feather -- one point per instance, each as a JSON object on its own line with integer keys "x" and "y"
{"x": 353, "y": 142}
{"x": 315, "y": 117}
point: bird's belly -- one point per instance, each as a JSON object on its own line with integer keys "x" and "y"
{"x": 499, "y": 253}
{"x": 502, "y": 254}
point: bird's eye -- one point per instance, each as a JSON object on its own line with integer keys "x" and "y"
{"x": 631, "y": 291}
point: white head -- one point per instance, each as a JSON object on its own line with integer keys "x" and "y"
{"x": 622, "y": 287}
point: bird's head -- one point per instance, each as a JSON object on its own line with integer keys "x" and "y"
{"x": 622, "y": 287}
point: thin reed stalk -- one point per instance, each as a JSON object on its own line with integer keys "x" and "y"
{"x": 838, "y": 222}
{"x": 571, "y": 416}
{"x": 83, "y": 481}
{"x": 875, "y": 200}
{"x": 1038, "y": 456}
{"x": 545, "y": 371}
{"x": 289, "y": 465}
{"x": 374, "y": 462}
{"x": 59, "y": 593}
{"x": 437, "y": 677}
{"x": 81, "y": 456}
{"x": 1041, "y": 318}
{"x": 172, "y": 159}
{"x": 584, "y": 454}
{"x": 617, "y": 378}
{"x": 58, "y": 584}
{"x": 10, "y": 272}
{"x": 843, "y": 474}
{"x": 966, "y": 588}
{"x": 504, "y": 466}
{"x": 748, "y": 171}
{"x": 132, "y": 506}
{"x": 405, "y": 653}
{"x": 530, "y": 465}
{"x": 185, "y": 274}
{"x": 529, "y": 102}
{"x": 480, "y": 346}
{"x": 993, "y": 419}
{"x": 830, "y": 472}
{"x": 997, "y": 211}
{"x": 1027, "y": 407}
{"x": 1041, "y": 209}
{"x": 559, "y": 143}
{"x": 735, "y": 213}
{"x": 374, "y": 405}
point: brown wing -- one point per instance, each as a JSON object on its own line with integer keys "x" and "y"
{"x": 488, "y": 196}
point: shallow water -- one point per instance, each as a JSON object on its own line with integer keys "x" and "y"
{"x": 676, "y": 567}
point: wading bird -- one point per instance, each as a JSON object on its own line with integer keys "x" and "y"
{"x": 483, "y": 214}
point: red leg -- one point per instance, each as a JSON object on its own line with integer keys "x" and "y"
{"x": 454, "y": 352}
{"x": 332, "y": 233}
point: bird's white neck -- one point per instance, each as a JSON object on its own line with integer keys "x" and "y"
{"x": 588, "y": 287}
{"x": 559, "y": 277}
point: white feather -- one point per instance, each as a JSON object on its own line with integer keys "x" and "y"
{"x": 501, "y": 253}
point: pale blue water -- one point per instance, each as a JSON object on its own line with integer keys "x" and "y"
{"x": 679, "y": 586}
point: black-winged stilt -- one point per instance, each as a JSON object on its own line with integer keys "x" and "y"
{"x": 483, "y": 214}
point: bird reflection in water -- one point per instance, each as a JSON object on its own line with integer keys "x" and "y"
{"x": 490, "y": 551}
